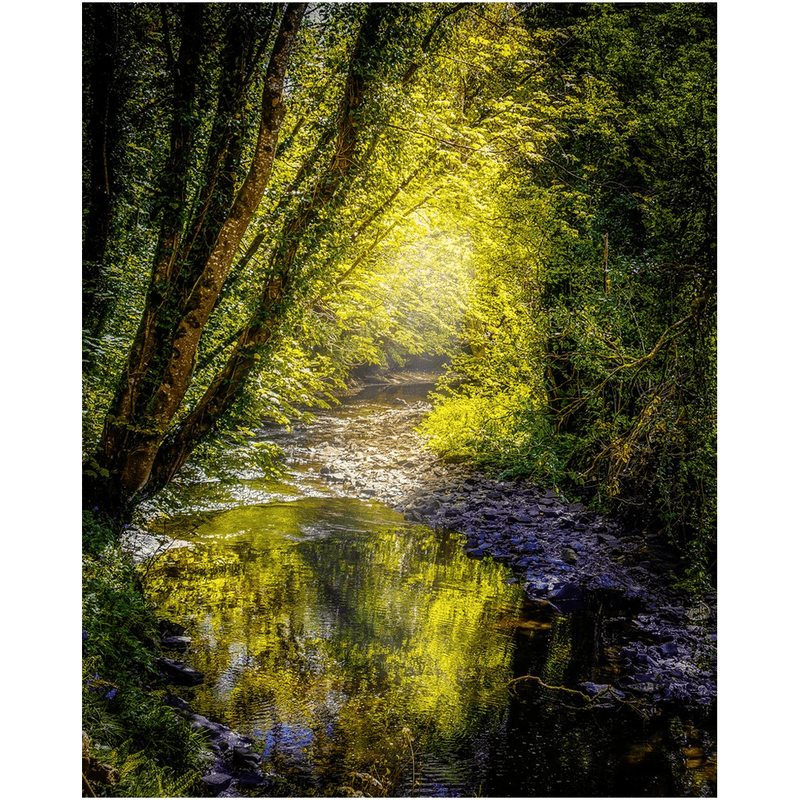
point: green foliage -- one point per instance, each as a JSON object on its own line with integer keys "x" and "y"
{"x": 98, "y": 532}
{"x": 501, "y": 433}
{"x": 127, "y": 723}
{"x": 407, "y": 301}
{"x": 618, "y": 400}
{"x": 494, "y": 151}
{"x": 633, "y": 351}
{"x": 137, "y": 775}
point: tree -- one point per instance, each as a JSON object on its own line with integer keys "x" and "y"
{"x": 610, "y": 256}
{"x": 565, "y": 154}
{"x": 198, "y": 240}
{"x": 211, "y": 152}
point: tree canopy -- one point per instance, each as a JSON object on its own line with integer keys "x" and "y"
{"x": 275, "y": 194}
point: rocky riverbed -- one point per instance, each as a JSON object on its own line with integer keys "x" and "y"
{"x": 562, "y": 551}
{"x": 565, "y": 555}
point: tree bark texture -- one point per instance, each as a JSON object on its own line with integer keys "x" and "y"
{"x": 282, "y": 274}
{"x": 182, "y": 293}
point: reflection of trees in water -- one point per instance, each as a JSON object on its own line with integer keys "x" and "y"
{"x": 348, "y": 637}
{"x": 324, "y": 647}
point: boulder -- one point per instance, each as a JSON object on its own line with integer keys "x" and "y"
{"x": 668, "y": 649}
{"x": 568, "y": 555}
{"x": 567, "y": 598}
{"x": 569, "y": 591}
{"x": 180, "y": 643}
{"x": 169, "y": 628}
{"x": 176, "y": 702}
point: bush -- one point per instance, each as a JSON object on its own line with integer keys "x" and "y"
{"x": 150, "y": 748}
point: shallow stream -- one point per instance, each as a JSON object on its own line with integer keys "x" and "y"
{"x": 363, "y": 653}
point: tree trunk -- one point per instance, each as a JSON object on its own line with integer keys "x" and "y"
{"x": 161, "y": 361}
{"x": 268, "y": 314}
{"x": 102, "y": 114}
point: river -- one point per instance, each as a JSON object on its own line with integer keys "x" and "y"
{"x": 364, "y": 653}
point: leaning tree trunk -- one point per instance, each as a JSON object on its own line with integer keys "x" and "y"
{"x": 267, "y": 315}
{"x": 160, "y": 365}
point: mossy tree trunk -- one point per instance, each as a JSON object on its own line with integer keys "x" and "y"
{"x": 195, "y": 250}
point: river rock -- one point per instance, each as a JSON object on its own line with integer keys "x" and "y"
{"x": 169, "y": 628}
{"x": 176, "y": 642}
{"x": 531, "y": 546}
{"x": 243, "y": 756}
{"x": 568, "y": 555}
{"x": 176, "y": 702}
{"x": 178, "y": 673}
{"x": 566, "y": 599}
{"x": 217, "y": 782}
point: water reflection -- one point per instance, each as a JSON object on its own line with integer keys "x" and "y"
{"x": 324, "y": 627}
{"x": 368, "y": 655}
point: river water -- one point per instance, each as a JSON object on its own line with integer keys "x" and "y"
{"x": 365, "y": 654}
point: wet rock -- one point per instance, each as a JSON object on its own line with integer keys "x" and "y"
{"x": 539, "y": 587}
{"x": 176, "y": 702}
{"x": 604, "y": 581}
{"x": 178, "y": 673}
{"x": 217, "y": 782}
{"x": 199, "y": 722}
{"x": 167, "y": 627}
{"x": 568, "y": 555}
{"x": 176, "y": 642}
{"x": 569, "y": 591}
{"x": 566, "y": 599}
{"x": 531, "y": 546}
{"x": 243, "y": 756}
{"x": 235, "y": 764}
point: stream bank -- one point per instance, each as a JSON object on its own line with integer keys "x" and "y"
{"x": 562, "y": 552}
{"x": 565, "y": 558}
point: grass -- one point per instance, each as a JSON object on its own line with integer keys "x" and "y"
{"x": 135, "y": 746}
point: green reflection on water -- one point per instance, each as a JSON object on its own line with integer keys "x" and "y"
{"x": 324, "y": 626}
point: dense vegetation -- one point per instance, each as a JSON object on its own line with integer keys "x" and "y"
{"x": 595, "y": 361}
{"x": 135, "y": 745}
{"x": 274, "y": 195}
